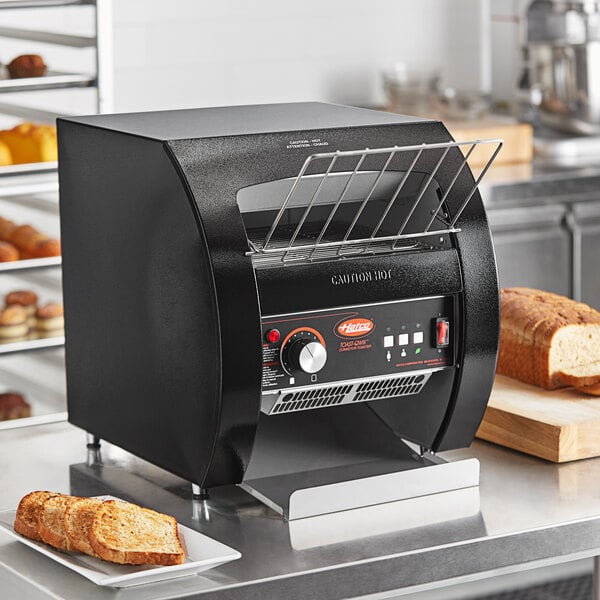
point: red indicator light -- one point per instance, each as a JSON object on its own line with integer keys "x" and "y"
{"x": 273, "y": 336}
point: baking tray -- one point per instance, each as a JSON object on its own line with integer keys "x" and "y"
{"x": 51, "y": 80}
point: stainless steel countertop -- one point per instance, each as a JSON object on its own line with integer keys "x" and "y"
{"x": 531, "y": 513}
{"x": 540, "y": 182}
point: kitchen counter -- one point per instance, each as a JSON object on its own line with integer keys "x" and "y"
{"x": 527, "y": 513}
{"x": 532, "y": 183}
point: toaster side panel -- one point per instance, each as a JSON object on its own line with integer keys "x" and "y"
{"x": 204, "y": 166}
{"x": 142, "y": 342}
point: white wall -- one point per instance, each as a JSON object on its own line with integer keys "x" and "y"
{"x": 181, "y": 53}
{"x": 194, "y": 53}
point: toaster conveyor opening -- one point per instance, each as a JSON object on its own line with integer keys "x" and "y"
{"x": 355, "y": 202}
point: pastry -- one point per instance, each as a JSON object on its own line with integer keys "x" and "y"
{"x": 13, "y": 322}
{"x": 6, "y": 229}
{"x": 5, "y": 155}
{"x": 49, "y": 318}
{"x": 13, "y": 406}
{"x": 29, "y": 242}
{"x": 26, "y": 65}
{"x": 46, "y": 247}
{"x": 8, "y": 252}
{"x": 25, "y": 298}
{"x": 546, "y": 338}
{"x": 30, "y": 143}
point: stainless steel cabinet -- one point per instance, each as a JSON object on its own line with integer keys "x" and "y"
{"x": 585, "y": 224}
{"x": 533, "y": 247}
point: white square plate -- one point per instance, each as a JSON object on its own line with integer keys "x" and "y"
{"x": 202, "y": 553}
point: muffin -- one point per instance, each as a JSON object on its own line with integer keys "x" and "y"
{"x": 26, "y": 65}
{"x": 13, "y": 406}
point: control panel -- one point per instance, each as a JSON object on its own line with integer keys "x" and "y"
{"x": 358, "y": 342}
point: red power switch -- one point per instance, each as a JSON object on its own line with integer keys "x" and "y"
{"x": 442, "y": 333}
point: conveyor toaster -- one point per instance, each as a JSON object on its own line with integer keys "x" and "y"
{"x": 242, "y": 281}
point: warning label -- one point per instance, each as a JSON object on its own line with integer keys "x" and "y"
{"x": 271, "y": 372}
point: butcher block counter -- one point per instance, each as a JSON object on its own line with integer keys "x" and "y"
{"x": 526, "y": 513}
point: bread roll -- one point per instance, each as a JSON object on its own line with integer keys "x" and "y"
{"x": 8, "y": 252}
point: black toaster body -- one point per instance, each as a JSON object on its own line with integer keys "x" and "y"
{"x": 182, "y": 334}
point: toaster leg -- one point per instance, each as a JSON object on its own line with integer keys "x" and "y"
{"x": 199, "y": 493}
{"x": 94, "y": 455}
{"x": 200, "y": 511}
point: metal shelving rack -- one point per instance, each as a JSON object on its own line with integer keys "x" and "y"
{"x": 42, "y": 178}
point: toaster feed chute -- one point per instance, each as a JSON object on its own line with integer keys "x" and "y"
{"x": 289, "y": 293}
{"x": 325, "y": 212}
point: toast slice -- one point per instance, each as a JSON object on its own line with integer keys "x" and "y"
{"x": 583, "y": 376}
{"x": 129, "y": 534}
{"x": 593, "y": 390}
{"x": 79, "y": 516}
{"x": 27, "y": 519}
{"x": 52, "y": 521}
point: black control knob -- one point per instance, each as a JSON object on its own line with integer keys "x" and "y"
{"x": 307, "y": 355}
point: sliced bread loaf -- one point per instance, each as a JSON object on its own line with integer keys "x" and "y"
{"x": 593, "y": 390}
{"x": 581, "y": 376}
{"x": 129, "y": 534}
{"x": 78, "y": 519}
{"x": 543, "y": 335}
{"x": 27, "y": 519}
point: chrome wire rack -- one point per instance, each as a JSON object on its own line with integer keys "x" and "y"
{"x": 350, "y": 211}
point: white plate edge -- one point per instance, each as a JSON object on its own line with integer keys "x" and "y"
{"x": 110, "y": 580}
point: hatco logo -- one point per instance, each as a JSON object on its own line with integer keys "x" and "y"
{"x": 355, "y": 327}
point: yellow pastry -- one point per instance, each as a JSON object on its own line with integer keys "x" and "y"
{"x": 30, "y": 143}
{"x": 5, "y": 155}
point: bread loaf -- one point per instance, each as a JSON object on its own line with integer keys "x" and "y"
{"x": 543, "y": 335}
{"x": 581, "y": 376}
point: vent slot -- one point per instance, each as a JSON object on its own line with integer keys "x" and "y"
{"x": 388, "y": 388}
{"x": 364, "y": 391}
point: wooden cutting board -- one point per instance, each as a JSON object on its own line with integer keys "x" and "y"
{"x": 560, "y": 425}
{"x": 518, "y": 139}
